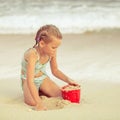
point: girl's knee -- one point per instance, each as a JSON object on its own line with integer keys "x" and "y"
{"x": 56, "y": 93}
{"x": 29, "y": 102}
{"x": 50, "y": 88}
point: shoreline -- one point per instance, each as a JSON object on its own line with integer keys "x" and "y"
{"x": 104, "y": 30}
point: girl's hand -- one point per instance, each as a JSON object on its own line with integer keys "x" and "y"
{"x": 40, "y": 106}
{"x": 72, "y": 82}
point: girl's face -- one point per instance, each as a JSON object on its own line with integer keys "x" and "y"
{"x": 51, "y": 47}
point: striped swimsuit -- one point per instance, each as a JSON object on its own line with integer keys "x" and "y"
{"x": 38, "y": 67}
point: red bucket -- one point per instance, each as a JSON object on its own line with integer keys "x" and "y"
{"x": 72, "y": 95}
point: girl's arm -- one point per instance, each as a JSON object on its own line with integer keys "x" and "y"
{"x": 57, "y": 73}
{"x": 31, "y": 59}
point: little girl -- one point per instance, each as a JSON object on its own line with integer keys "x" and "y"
{"x": 33, "y": 73}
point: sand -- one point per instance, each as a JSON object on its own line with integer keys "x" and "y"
{"x": 92, "y": 59}
{"x": 70, "y": 88}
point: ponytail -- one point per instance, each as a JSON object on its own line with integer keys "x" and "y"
{"x": 35, "y": 45}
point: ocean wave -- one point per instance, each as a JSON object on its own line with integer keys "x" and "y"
{"x": 75, "y": 23}
{"x": 75, "y": 17}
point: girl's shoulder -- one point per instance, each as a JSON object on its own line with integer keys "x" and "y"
{"x": 30, "y": 54}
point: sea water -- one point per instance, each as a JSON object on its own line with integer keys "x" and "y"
{"x": 71, "y": 16}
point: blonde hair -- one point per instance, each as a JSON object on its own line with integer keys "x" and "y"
{"x": 46, "y": 32}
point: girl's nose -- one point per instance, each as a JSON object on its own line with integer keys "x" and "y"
{"x": 54, "y": 50}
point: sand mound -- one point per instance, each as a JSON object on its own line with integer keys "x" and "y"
{"x": 70, "y": 87}
{"x": 55, "y": 103}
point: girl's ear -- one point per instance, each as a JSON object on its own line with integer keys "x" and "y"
{"x": 41, "y": 43}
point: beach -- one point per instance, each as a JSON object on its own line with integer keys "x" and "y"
{"x": 92, "y": 59}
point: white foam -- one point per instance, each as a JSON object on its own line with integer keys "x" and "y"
{"x": 69, "y": 22}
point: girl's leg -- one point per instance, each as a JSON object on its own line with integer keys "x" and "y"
{"x": 49, "y": 88}
{"x": 27, "y": 95}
